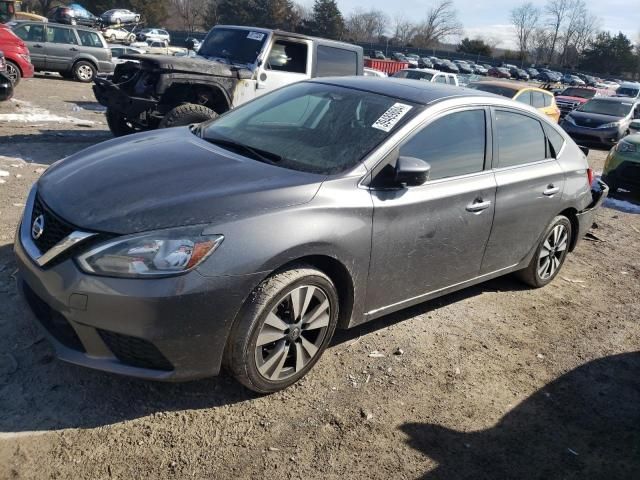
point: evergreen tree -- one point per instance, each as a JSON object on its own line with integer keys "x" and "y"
{"x": 326, "y": 20}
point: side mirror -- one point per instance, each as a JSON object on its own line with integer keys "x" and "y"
{"x": 411, "y": 171}
{"x": 634, "y": 126}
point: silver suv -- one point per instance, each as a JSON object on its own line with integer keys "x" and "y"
{"x": 74, "y": 52}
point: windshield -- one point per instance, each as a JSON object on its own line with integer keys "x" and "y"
{"x": 578, "y": 92}
{"x": 627, "y": 92}
{"x": 311, "y": 127}
{"x": 233, "y": 45}
{"x": 497, "y": 89}
{"x": 604, "y": 107}
{"x": 414, "y": 75}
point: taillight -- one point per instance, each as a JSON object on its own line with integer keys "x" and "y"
{"x": 590, "y": 176}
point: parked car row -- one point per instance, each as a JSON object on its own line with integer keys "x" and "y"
{"x": 75, "y": 14}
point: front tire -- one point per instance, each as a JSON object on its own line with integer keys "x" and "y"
{"x": 283, "y": 329}
{"x": 186, "y": 115}
{"x": 550, "y": 254}
{"x": 84, "y": 71}
{"x": 118, "y": 123}
{"x": 14, "y": 73}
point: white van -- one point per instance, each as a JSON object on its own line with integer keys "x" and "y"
{"x": 427, "y": 75}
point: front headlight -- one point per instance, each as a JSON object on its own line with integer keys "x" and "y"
{"x": 626, "y": 147}
{"x": 151, "y": 254}
{"x": 610, "y": 125}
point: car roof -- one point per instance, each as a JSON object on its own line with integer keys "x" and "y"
{"x": 615, "y": 99}
{"x": 630, "y": 84}
{"x": 423, "y": 93}
{"x": 516, "y": 87}
{"x": 51, "y": 24}
{"x": 426, "y": 70}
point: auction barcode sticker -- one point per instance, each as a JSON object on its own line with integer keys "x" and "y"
{"x": 255, "y": 36}
{"x": 392, "y": 116}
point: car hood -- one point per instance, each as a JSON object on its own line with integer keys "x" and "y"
{"x": 163, "y": 179}
{"x": 592, "y": 119}
{"x": 572, "y": 99}
{"x": 190, "y": 65}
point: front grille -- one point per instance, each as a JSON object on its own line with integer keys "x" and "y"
{"x": 135, "y": 351}
{"x": 629, "y": 173}
{"x": 53, "y": 321}
{"x": 55, "y": 229}
{"x": 584, "y": 122}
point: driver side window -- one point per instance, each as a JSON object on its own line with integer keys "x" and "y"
{"x": 287, "y": 56}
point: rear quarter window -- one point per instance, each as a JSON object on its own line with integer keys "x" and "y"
{"x": 521, "y": 139}
{"x": 89, "y": 39}
{"x": 333, "y": 61}
{"x": 555, "y": 140}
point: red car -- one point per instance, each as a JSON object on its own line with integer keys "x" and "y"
{"x": 499, "y": 72}
{"x": 16, "y": 54}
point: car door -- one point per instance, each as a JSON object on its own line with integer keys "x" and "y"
{"x": 32, "y": 34}
{"x": 530, "y": 184}
{"x": 432, "y": 236}
{"x": 61, "y": 48}
{"x": 287, "y": 61}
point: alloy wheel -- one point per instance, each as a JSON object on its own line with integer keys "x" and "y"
{"x": 553, "y": 252}
{"x": 85, "y": 72}
{"x": 292, "y": 333}
{"x": 12, "y": 73}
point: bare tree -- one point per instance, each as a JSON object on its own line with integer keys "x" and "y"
{"x": 191, "y": 12}
{"x": 441, "y": 22}
{"x": 525, "y": 20}
{"x": 540, "y": 44}
{"x": 557, "y": 11}
{"x": 403, "y": 29}
{"x": 366, "y": 26}
{"x": 577, "y": 12}
{"x": 586, "y": 30}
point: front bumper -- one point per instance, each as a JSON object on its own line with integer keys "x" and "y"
{"x": 585, "y": 218}
{"x": 626, "y": 175}
{"x": 169, "y": 329}
{"x": 592, "y": 136}
{"x": 113, "y": 97}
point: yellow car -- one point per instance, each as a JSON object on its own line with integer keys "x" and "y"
{"x": 536, "y": 97}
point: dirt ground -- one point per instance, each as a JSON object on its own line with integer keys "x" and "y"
{"x": 497, "y": 381}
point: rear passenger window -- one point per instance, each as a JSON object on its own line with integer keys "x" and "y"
{"x": 336, "y": 62}
{"x": 548, "y": 100}
{"x": 89, "y": 39}
{"x": 448, "y": 152}
{"x": 555, "y": 139}
{"x": 520, "y": 139}
{"x": 537, "y": 99}
{"x": 452, "y": 80}
{"x": 441, "y": 79}
{"x": 61, "y": 35}
{"x": 288, "y": 56}
{"x": 524, "y": 97}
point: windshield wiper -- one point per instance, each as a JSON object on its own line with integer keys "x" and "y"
{"x": 256, "y": 153}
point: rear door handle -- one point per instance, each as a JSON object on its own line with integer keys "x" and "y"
{"x": 551, "y": 190}
{"x": 73, "y": 49}
{"x": 37, "y": 45}
{"x": 478, "y": 205}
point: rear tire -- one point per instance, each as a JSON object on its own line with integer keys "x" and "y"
{"x": 118, "y": 123}
{"x": 186, "y": 115}
{"x": 550, "y": 254}
{"x": 14, "y": 73}
{"x": 84, "y": 71}
{"x": 283, "y": 329}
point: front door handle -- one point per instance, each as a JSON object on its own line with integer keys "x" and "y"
{"x": 551, "y": 190}
{"x": 37, "y": 45}
{"x": 73, "y": 49}
{"x": 478, "y": 205}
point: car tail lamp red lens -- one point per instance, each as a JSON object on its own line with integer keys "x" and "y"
{"x": 590, "y": 176}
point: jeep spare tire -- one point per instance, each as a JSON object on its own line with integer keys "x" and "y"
{"x": 186, "y": 115}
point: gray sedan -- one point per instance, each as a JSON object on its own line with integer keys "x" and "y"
{"x": 246, "y": 241}
{"x": 118, "y": 16}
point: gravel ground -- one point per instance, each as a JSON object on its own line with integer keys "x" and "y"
{"x": 496, "y": 381}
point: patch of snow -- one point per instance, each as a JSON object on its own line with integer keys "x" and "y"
{"x": 30, "y": 114}
{"x": 622, "y": 205}
{"x": 4, "y": 173}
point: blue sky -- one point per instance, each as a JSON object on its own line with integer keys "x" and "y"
{"x": 491, "y": 19}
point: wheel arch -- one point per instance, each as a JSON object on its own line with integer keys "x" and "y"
{"x": 572, "y": 214}
{"x": 90, "y": 60}
{"x": 211, "y": 95}
{"x": 15, "y": 64}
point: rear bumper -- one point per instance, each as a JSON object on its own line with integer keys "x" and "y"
{"x": 586, "y": 216}
{"x": 112, "y": 96}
